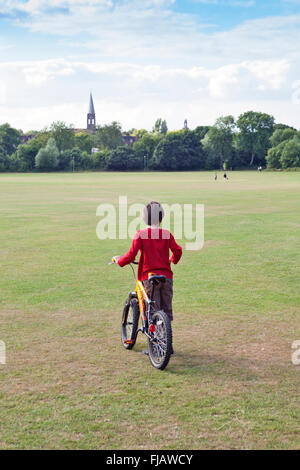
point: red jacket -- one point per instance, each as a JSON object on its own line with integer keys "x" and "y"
{"x": 155, "y": 245}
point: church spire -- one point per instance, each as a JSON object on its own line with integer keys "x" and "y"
{"x": 91, "y": 116}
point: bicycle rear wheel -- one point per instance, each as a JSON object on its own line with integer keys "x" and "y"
{"x": 130, "y": 320}
{"x": 160, "y": 343}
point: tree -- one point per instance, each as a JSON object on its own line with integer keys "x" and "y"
{"x": 4, "y": 160}
{"x": 10, "y": 138}
{"x": 255, "y": 132}
{"x": 281, "y": 135}
{"x": 273, "y": 157}
{"x": 15, "y": 164}
{"x": 26, "y": 153}
{"x": 290, "y": 157}
{"x": 63, "y": 135}
{"x": 100, "y": 159}
{"x": 87, "y": 161}
{"x": 138, "y": 132}
{"x": 212, "y": 159}
{"x": 201, "y": 131}
{"x": 64, "y": 160}
{"x": 47, "y": 157}
{"x": 283, "y": 126}
{"x": 71, "y": 159}
{"x": 108, "y": 136}
{"x": 145, "y": 146}
{"x": 122, "y": 159}
{"x": 220, "y": 139}
{"x": 160, "y": 127}
{"x": 84, "y": 142}
{"x": 42, "y": 137}
{"x": 180, "y": 150}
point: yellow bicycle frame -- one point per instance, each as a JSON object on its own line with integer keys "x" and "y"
{"x": 142, "y": 297}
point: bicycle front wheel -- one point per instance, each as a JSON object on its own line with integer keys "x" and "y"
{"x": 160, "y": 343}
{"x": 130, "y": 320}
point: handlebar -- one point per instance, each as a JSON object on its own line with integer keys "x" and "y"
{"x": 114, "y": 262}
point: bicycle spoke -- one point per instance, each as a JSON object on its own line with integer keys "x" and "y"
{"x": 159, "y": 342}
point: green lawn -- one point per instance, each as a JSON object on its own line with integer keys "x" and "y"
{"x": 68, "y": 382}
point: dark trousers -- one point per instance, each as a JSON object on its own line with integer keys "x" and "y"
{"x": 163, "y": 294}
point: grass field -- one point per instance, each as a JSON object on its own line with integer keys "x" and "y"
{"x": 68, "y": 382}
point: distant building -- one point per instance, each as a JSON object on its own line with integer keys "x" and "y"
{"x": 91, "y": 116}
{"x": 26, "y": 137}
{"x": 129, "y": 139}
{"x": 90, "y": 128}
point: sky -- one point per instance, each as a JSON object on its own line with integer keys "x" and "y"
{"x": 144, "y": 59}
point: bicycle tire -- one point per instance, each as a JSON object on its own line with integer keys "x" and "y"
{"x": 160, "y": 345}
{"x": 129, "y": 326}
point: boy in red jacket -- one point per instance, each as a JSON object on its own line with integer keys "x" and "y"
{"x": 154, "y": 244}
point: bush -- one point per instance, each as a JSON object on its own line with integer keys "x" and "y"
{"x": 274, "y": 156}
{"x": 26, "y": 153}
{"x": 4, "y": 160}
{"x": 122, "y": 159}
{"x": 281, "y": 135}
{"x": 69, "y": 157}
{"x": 179, "y": 150}
{"x": 47, "y": 157}
{"x": 290, "y": 156}
{"x": 87, "y": 161}
{"x": 145, "y": 146}
{"x": 100, "y": 159}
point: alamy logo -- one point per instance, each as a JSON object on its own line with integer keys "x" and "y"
{"x": 296, "y": 354}
{"x": 2, "y": 352}
{"x": 123, "y": 221}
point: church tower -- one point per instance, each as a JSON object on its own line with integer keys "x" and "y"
{"x": 91, "y": 116}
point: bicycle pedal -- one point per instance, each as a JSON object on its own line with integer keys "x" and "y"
{"x": 128, "y": 341}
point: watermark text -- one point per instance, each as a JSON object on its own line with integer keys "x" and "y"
{"x": 124, "y": 220}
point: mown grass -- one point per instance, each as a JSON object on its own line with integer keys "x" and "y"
{"x": 68, "y": 383}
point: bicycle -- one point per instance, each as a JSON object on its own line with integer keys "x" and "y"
{"x": 155, "y": 324}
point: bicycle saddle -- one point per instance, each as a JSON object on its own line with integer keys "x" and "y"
{"x": 156, "y": 278}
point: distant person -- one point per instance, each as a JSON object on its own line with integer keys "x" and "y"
{"x": 216, "y": 176}
{"x": 225, "y": 176}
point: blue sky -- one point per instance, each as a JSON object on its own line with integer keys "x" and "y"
{"x": 143, "y": 59}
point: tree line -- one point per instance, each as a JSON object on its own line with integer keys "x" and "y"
{"x": 254, "y": 139}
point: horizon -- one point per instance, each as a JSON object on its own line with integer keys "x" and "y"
{"x": 190, "y": 59}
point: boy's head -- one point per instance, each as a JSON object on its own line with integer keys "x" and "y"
{"x": 153, "y": 213}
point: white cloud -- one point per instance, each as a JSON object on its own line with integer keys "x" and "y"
{"x": 296, "y": 92}
{"x": 233, "y": 3}
{"x": 150, "y": 30}
{"x": 270, "y": 74}
{"x": 2, "y": 92}
{"x": 199, "y": 111}
{"x": 139, "y": 55}
{"x": 125, "y": 89}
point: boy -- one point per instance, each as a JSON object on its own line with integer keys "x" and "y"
{"x": 154, "y": 244}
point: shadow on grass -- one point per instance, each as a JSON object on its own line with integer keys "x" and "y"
{"x": 217, "y": 365}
